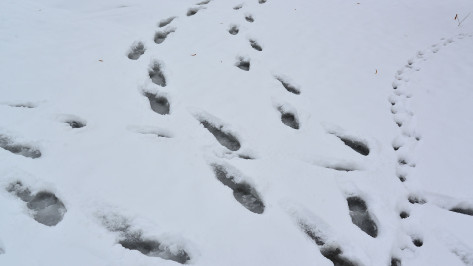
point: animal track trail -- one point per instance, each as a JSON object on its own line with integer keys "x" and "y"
{"x": 47, "y": 208}
{"x": 134, "y": 239}
{"x": 8, "y": 144}
{"x": 243, "y": 192}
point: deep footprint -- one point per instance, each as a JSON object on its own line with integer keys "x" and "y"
{"x": 224, "y": 138}
{"x": 136, "y": 51}
{"x": 161, "y": 36}
{"x": 134, "y": 240}
{"x": 156, "y": 75}
{"x": 7, "y": 144}
{"x": 47, "y": 208}
{"x": 255, "y": 45}
{"x": 289, "y": 119}
{"x": 243, "y": 64}
{"x": 165, "y": 22}
{"x": 242, "y": 191}
{"x": 360, "y": 216}
{"x": 356, "y": 145}
{"x": 290, "y": 88}
{"x": 75, "y": 124}
{"x": 334, "y": 254}
{"x": 159, "y": 104}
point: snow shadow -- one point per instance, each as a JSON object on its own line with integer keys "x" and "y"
{"x": 243, "y": 192}
{"x": 156, "y": 75}
{"x": 361, "y": 217}
{"x": 159, "y": 104}
{"x": 47, "y": 208}
{"x": 134, "y": 240}
{"x": 290, "y": 88}
{"x": 226, "y": 139}
{"x": 136, "y": 50}
{"x": 16, "y": 148}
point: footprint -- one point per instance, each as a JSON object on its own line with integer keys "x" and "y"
{"x": 245, "y": 194}
{"x": 192, "y": 11}
{"x": 261, "y": 1}
{"x": 396, "y": 262}
{"x": 47, "y": 208}
{"x": 361, "y": 217}
{"x": 243, "y": 64}
{"x": 355, "y": 144}
{"x": 224, "y": 138}
{"x": 255, "y": 45}
{"x": 7, "y": 144}
{"x": 413, "y": 199}
{"x": 290, "y": 88}
{"x": 289, "y": 119}
{"x": 233, "y": 30}
{"x": 165, "y": 22}
{"x": 249, "y": 18}
{"x": 466, "y": 211}
{"x": 417, "y": 242}
{"x": 238, "y": 6}
{"x": 160, "y": 36}
{"x": 23, "y": 105}
{"x": 203, "y": 2}
{"x": 136, "y": 50}
{"x": 159, "y": 104}
{"x": 134, "y": 240}
{"x": 156, "y": 74}
{"x": 404, "y": 215}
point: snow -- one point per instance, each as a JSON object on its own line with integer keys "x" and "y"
{"x": 74, "y": 85}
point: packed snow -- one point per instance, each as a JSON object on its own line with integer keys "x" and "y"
{"x": 236, "y": 132}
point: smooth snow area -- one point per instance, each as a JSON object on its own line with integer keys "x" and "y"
{"x": 236, "y": 132}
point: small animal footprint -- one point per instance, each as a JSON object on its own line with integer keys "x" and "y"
{"x": 234, "y": 30}
{"x": 243, "y": 64}
{"x": 136, "y": 50}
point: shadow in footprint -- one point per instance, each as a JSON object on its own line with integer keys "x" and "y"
{"x": 395, "y": 262}
{"x": 238, "y": 7}
{"x": 466, "y": 211}
{"x": 224, "y": 138}
{"x": 134, "y": 240}
{"x": 203, "y": 2}
{"x": 255, "y": 45}
{"x": 243, "y": 64}
{"x": 159, "y": 104}
{"x": 75, "y": 123}
{"x": 7, "y": 144}
{"x": 261, "y": 1}
{"x": 156, "y": 75}
{"x": 192, "y": 11}
{"x": 160, "y": 36}
{"x": 242, "y": 191}
{"x": 23, "y": 105}
{"x": 165, "y": 22}
{"x": 136, "y": 50}
{"x": 354, "y": 144}
{"x": 290, "y": 88}
{"x": 361, "y": 217}
{"x": 47, "y": 208}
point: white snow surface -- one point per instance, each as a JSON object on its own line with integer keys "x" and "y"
{"x": 361, "y": 68}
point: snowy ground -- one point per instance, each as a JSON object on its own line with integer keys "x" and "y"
{"x": 249, "y": 132}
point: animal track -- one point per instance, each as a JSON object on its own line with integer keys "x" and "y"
{"x": 226, "y": 139}
{"x": 192, "y": 11}
{"x": 243, "y": 64}
{"x": 156, "y": 75}
{"x": 396, "y": 262}
{"x": 23, "y": 105}
{"x": 203, "y": 2}
{"x": 290, "y": 88}
{"x": 75, "y": 123}
{"x": 289, "y": 119}
{"x": 233, "y": 30}
{"x": 159, "y": 104}
{"x": 249, "y": 18}
{"x": 136, "y": 50}
{"x": 47, "y": 208}
{"x": 238, "y": 7}
{"x": 255, "y": 45}
{"x": 134, "y": 240}
{"x": 417, "y": 242}
{"x": 160, "y": 36}
{"x": 361, "y": 217}
{"x": 413, "y": 199}
{"x": 261, "y": 1}
{"x": 404, "y": 215}
{"x": 7, "y": 144}
{"x": 242, "y": 191}
{"x": 165, "y": 22}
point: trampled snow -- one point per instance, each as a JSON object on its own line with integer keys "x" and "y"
{"x": 246, "y": 132}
